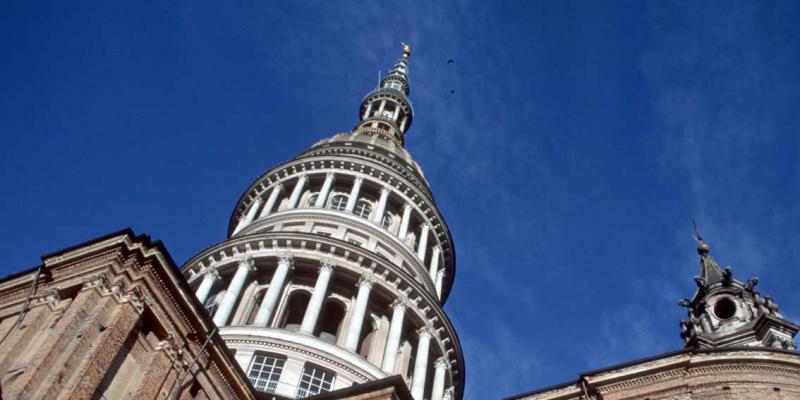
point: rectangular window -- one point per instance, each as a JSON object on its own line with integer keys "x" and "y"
{"x": 315, "y": 380}
{"x": 265, "y": 372}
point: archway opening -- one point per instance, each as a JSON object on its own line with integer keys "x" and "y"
{"x": 330, "y": 321}
{"x": 295, "y": 309}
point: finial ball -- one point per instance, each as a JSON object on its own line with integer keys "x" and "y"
{"x": 406, "y": 50}
{"x": 703, "y": 248}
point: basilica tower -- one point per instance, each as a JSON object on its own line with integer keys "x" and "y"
{"x": 337, "y": 265}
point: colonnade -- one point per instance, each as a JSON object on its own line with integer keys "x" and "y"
{"x": 312, "y": 313}
{"x": 422, "y": 244}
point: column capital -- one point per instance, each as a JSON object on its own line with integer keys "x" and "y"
{"x": 278, "y": 185}
{"x": 212, "y": 273}
{"x": 330, "y": 174}
{"x": 302, "y": 175}
{"x": 426, "y": 331}
{"x": 358, "y": 179}
{"x": 366, "y": 280}
{"x": 448, "y": 394}
{"x": 286, "y": 258}
{"x": 385, "y": 188}
{"x": 426, "y": 227}
{"x": 326, "y": 266}
{"x": 249, "y": 263}
{"x": 401, "y": 302}
{"x": 436, "y": 248}
{"x": 441, "y": 362}
{"x": 408, "y": 206}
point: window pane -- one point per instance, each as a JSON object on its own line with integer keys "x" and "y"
{"x": 265, "y": 372}
{"x": 315, "y": 380}
{"x": 339, "y": 202}
{"x": 363, "y": 209}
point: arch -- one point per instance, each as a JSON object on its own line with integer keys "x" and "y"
{"x": 312, "y": 198}
{"x": 339, "y": 202}
{"x": 367, "y": 337}
{"x": 255, "y": 302}
{"x": 295, "y": 309}
{"x": 363, "y": 208}
{"x": 330, "y": 321}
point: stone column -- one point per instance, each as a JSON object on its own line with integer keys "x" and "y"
{"x": 366, "y": 113}
{"x": 423, "y": 242}
{"x": 393, "y": 341}
{"x": 250, "y": 216}
{"x": 421, "y": 363}
{"x": 439, "y": 374}
{"x": 381, "y": 205}
{"x": 360, "y": 309}
{"x": 273, "y": 197}
{"x": 232, "y": 294}
{"x": 403, "y": 232}
{"x": 351, "y": 201}
{"x": 434, "y": 268}
{"x": 382, "y": 107}
{"x": 403, "y": 123}
{"x": 204, "y": 289}
{"x": 317, "y": 299}
{"x": 396, "y": 113}
{"x": 298, "y": 190}
{"x": 326, "y": 189}
{"x": 439, "y": 282}
{"x": 273, "y": 292}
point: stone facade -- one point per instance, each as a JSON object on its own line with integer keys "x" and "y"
{"x": 111, "y": 318}
{"x": 757, "y": 373}
{"x": 738, "y": 346}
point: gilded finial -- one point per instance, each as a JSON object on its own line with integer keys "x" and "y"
{"x": 406, "y": 50}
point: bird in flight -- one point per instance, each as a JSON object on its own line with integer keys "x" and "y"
{"x": 450, "y": 61}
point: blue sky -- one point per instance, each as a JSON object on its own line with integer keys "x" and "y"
{"x": 579, "y": 142}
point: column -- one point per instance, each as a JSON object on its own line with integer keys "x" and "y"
{"x": 381, "y": 108}
{"x": 403, "y": 232}
{"x": 366, "y": 113}
{"x": 273, "y": 197}
{"x": 403, "y": 123}
{"x": 273, "y": 292}
{"x": 298, "y": 190}
{"x": 421, "y": 363}
{"x": 439, "y": 281}
{"x": 326, "y": 189}
{"x": 439, "y": 374}
{"x": 396, "y": 113}
{"x": 250, "y": 216}
{"x": 393, "y": 341}
{"x": 351, "y": 201}
{"x": 317, "y": 299}
{"x": 232, "y": 294}
{"x": 360, "y": 309}
{"x": 434, "y": 268}
{"x": 205, "y": 286}
{"x": 378, "y": 216}
{"x": 423, "y": 242}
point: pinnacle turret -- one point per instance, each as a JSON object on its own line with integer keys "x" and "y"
{"x": 725, "y": 312}
{"x": 387, "y": 111}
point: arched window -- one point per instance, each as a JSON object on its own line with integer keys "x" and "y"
{"x": 363, "y": 209}
{"x": 254, "y": 304}
{"x": 339, "y": 202}
{"x": 330, "y": 321}
{"x": 386, "y": 222}
{"x": 312, "y": 199}
{"x": 265, "y": 371}
{"x": 295, "y": 309}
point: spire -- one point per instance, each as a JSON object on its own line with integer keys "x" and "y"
{"x": 726, "y": 312}
{"x": 710, "y": 271}
{"x": 387, "y": 111}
